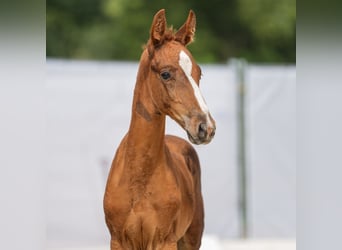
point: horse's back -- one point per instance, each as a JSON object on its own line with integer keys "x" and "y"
{"x": 180, "y": 145}
{"x": 185, "y": 165}
{"x": 182, "y": 150}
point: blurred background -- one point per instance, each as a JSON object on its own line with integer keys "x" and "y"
{"x": 259, "y": 30}
{"x": 247, "y": 51}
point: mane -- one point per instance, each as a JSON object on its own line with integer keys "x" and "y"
{"x": 169, "y": 35}
{"x": 150, "y": 48}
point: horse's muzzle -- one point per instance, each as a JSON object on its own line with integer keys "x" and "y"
{"x": 204, "y": 134}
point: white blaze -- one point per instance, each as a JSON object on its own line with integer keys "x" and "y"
{"x": 186, "y": 65}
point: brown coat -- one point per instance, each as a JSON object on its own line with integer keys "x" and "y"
{"x": 153, "y": 196}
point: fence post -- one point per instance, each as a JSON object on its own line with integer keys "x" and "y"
{"x": 239, "y": 66}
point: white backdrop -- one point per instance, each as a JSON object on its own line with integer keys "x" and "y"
{"x": 88, "y": 112}
{"x": 271, "y": 142}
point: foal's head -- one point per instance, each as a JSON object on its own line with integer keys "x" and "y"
{"x": 173, "y": 78}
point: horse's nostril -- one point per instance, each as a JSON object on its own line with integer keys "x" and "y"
{"x": 212, "y": 133}
{"x": 202, "y": 131}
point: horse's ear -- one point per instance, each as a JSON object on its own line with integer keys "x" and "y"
{"x": 158, "y": 28}
{"x": 186, "y": 33}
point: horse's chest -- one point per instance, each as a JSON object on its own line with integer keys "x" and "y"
{"x": 160, "y": 197}
{"x": 157, "y": 211}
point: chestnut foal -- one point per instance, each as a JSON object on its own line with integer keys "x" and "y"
{"x": 153, "y": 196}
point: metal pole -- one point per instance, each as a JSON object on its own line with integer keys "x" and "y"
{"x": 240, "y": 67}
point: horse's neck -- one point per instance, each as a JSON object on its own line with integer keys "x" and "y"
{"x": 145, "y": 139}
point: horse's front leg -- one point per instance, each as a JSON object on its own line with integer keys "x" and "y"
{"x": 170, "y": 246}
{"x": 115, "y": 245}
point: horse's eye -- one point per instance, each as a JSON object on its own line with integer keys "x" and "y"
{"x": 165, "y": 75}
